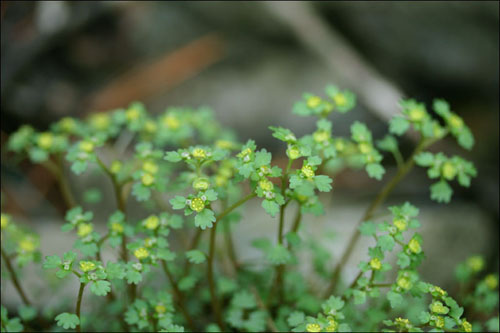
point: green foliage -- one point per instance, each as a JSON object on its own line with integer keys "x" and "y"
{"x": 167, "y": 272}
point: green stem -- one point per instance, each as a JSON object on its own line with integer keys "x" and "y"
{"x": 178, "y": 295}
{"x": 230, "y": 247}
{"x": 379, "y": 200}
{"x": 57, "y": 170}
{"x": 13, "y": 275}
{"x": 79, "y": 304}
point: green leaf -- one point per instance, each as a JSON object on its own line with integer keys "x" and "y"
{"x": 133, "y": 277}
{"x": 67, "y": 320}
{"x": 262, "y": 158}
{"x": 141, "y": 192}
{"x": 424, "y": 317}
{"x": 51, "y": 262}
{"x": 100, "y": 287}
{"x": 333, "y": 303}
{"x": 368, "y": 228}
{"x": 296, "y": 318}
{"x": 395, "y": 299}
{"x": 360, "y": 133}
{"x": 115, "y": 271}
{"x": 204, "y": 219}
{"x": 173, "y": 156}
{"x": 375, "y": 170}
{"x": 178, "y": 202}
{"x": 187, "y": 283}
{"x": 388, "y": 143}
{"x": 279, "y": 255}
{"x": 386, "y": 242}
{"x": 246, "y": 169}
{"x": 256, "y": 322}
{"x": 14, "y": 325}
{"x": 271, "y": 207}
{"x": 244, "y": 300}
{"x": 79, "y": 167}
{"x": 403, "y": 260}
{"x": 295, "y": 181}
{"x": 398, "y": 125}
{"x": 195, "y": 256}
{"x": 441, "y": 192}
{"x": 466, "y": 139}
{"x": 424, "y": 159}
{"x": 27, "y": 312}
{"x": 359, "y": 296}
{"x": 301, "y": 109}
{"x": 323, "y": 183}
{"x": 211, "y": 195}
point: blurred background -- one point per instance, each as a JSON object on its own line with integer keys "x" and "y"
{"x": 250, "y": 61}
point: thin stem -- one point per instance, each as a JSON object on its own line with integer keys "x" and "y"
{"x": 230, "y": 247}
{"x": 57, "y": 170}
{"x": 178, "y": 295}
{"x": 378, "y": 200}
{"x": 192, "y": 246}
{"x": 260, "y": 303}
{"x": 13, "y": 275}
{"x": 79, "y": 304}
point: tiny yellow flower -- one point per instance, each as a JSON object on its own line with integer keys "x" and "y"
{"x": 266, "y": 185}
{"x": 455, "y": 121}
{"x": 417, "y": 114}
{"x": 340, "y": 99}
{"x": 197, "y": 204}
{"x": 401, "y": 224}
{"x": 171, "y": 122}
{"x": 414, "y": 246}
{"x": 117, "y": 227}
{"x": 67, "y": 124}
{"x": 449, "y": 170}
{"x": 404, "y": 283}
{"x": 84, "y": 229}
{"x": 152, "y": 222}
{"x": 100, "y": 121}
{"x": 160, "y": 308}
{"x": 220, "y": 180}
{"x": 293, "y": 152}
{"x": 27, "y": 244}
{"x": 224, "y": 144}
{"x": 87, "y": 146}
{"x": 150, "y": 167}
{"x": 466, "y": 326}
{"x": 313, "y": 328}
{"x": 375, "y": 264}
{"x": 437, "y": 290}
{"x": 321, "y": 136}
{"x": 332, "y": 326}
{"x": 491, "y": 281}
{"x": 5, "y": 220}
{"x": 132, "y": 114}
{"x": 141, "y": 253}
{"x": 370, "y": 158}
{"x": 86, "y": 266}
{"x": 439, "y": 322}
{"x": 438, "y": 308}
{"x": 365, "y": 147}
{"x": 149, "y": 242}
{"x": 339, "y": 145}
{"x": 116, "y": 167}
{"x": 201, "y": 184}
{"x": 199, "y": 153}
{"x": 244, "y": 153}
{"x": 307, "y": 171}
{"x": 475, "y": 263}
{"x": 313, "y": 102}
{"x": 150, "y": 126}
{"x": 45, "y": 140}
{"x": 402, "y": 321}
{"x": 437, "y": 130}
{"x": 147, "y": 179}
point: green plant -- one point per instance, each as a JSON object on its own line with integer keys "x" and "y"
{"x": 191, "y": 176}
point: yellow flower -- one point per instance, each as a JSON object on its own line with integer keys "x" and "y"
{"x": 455, "y": 121}
{"x": 340, "y": 99}
{"x": 293, "y": 152}
{"x": 475, "y": 263}
{"x": 147, "y": 179}
{"x": 313, "y": 328}
{"x": 438, "y": 307}
{"x": 160, "y": 308}
{"x": 68, "y": 124}
{"x": 150, "y": 126}
{"x": 100, "y": 121}
{"x": 307, "y": 171}
{"x": 150, "y": 167}
{"x": 45, "y": 140}
{"x": 197, "y": 205}
{"x": 466, "y": 326}
{"x": 417, "y": 113}
{"x": 439, "y": 322}
{"x": 491, "y": 281}
{"x": 438, "y": 291}
{"x": 87, "y": 146}
{"x": 201, "y": 184}
{"x": 404, "y": 283}
{"x": 149, "y": 242}
{"x": 401, "y": 224}
{"x": 332, "y": 326}
{"x": 414, "y": 246}
{"x": 84, "y": 229}
{"x": 199, "y": 153}
{"x": 321, "y": 136}
{"x": 5, "y": 220}
{"x": 313, "y": 102}
{"x": 224, "y": 144}
{"x": 132, "y": 114}
{"x": 365, "y": 147}
{"x": 151, "y": 222}
{"x": 339, "y": 145}
{"x": 266, "y": 185}
{"x": 141, "y": 253}
{"x": 449, "y": 170}
{"x": 86, "y": 266}
{"x": 171, "y": 122}
{"x": 117, "y": 227}
{"x": 116, "y": 166}
{"x": 27, "y": 244}
{"x": 375, "y": 264}
{"x": 402, "y": 321}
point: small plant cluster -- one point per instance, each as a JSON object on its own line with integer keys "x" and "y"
{"x": 176, "y": 268}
